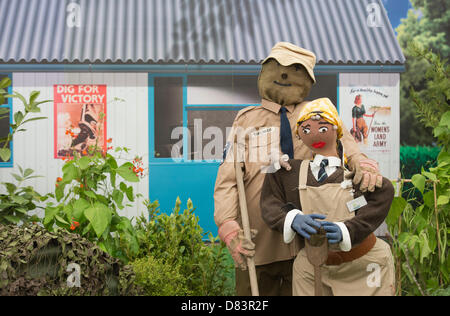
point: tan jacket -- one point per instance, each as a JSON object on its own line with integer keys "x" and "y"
{"x": 262, "y": 124}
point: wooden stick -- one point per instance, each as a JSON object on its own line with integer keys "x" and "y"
{"x": 245, "y": 221}
{"x": 437, "y": 229}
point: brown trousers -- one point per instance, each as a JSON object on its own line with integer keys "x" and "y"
{"x": 274, "y": 279}
{"x": 370, "y": 275}
{"x": 361, "y": 124}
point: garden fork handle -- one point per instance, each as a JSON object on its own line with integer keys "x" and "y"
{"x": 244, "y": 217}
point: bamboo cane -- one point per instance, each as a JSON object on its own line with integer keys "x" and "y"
{"x": 437, "y": 229}
{"x": 238, "y": 165}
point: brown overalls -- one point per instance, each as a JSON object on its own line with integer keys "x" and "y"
{"x": 368, "y": 269}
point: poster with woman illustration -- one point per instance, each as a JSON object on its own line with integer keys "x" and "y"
{"x": 369, "y": 107}
{"x": 80, "y": 119}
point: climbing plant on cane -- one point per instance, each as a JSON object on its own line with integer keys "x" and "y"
{"x": 89, "y": 196}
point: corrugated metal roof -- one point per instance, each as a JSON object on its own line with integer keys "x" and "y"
{"x": 192, "y": 31}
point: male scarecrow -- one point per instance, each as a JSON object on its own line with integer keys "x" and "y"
{"x": 285, "y": 80}
{"x": 315, "y": 190}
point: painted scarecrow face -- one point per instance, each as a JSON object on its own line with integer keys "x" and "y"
{"x": 319, "y": 135}
{"x": 284, "y": 85}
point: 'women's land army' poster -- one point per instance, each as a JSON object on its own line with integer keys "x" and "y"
{"x": 369, "y": 107}
{"x": 80, "y": 119}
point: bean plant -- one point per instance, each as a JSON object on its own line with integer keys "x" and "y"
{"x": 90, "y": 195}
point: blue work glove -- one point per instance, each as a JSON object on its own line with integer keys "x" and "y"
{"x": 334, "y": 233}
{"x": 304, "y": 224}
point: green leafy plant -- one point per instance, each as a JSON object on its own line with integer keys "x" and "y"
{"x": 422, "y": 233}
{"x": 177, "y": 240}
{"x": 19, "y": 200}
{"x": 156, "y": 278}
{"x": 34, "y": 261}
{"x": 412, "y": 159}
{"x": 422, "y": 229}
{"x": 89, "y": 196}
{"x": 432, "y": 103}
{"x": 20, "y": 117}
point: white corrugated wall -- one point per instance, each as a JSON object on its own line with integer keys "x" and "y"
{"x": 127, "y": 125}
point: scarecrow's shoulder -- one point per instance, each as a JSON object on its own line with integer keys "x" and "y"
{"x": 252, "y": 111}
{"x": 246, "y": 110}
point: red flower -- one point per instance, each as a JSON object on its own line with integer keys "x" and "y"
{"x": 74, "y": 225}
{"x": 59, "y": 179}
{"x": 109, "y": 140}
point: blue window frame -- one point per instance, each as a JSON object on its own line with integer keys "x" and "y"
{"x": 187, "y": 109}
{"x": 5, "y": 123}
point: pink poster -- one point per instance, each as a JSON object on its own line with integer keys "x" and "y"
{"x": 80, "y": 119}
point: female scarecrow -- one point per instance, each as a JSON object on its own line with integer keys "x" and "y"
{"x": 297, "y": 202}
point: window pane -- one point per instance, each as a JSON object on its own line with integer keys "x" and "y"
{"x": 168, "y": 113}
{"x": 223, "y": 90}
{"x": 4, "y": 127}
{"x": 208, "y": 130}
{"x": 325, "y": 87}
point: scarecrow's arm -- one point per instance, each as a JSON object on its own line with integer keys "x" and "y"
{"x": 351, "y": 150}
{"x": 368, "y": 218}
{"x": 273, "y": 202}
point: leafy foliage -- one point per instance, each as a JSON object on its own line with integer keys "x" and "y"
{"x": 19, "y": 200}
{"x": 428, "y": 23}
{"x": 20, "y": 118}
{"x": 412, "y": 159}
{"x": 34, "y": 261}
{"x": 156, "y": 278}
{"x": 422, "y": 232}
{"x": 433, "y": 103}
{"x": 89, "y": 198}
{"x": 176, "y": 240}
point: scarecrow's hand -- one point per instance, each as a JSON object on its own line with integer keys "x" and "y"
{"x": 334, "y": 233}
{"x": 276, "y": 163}
{"x": 239, "y": 247}
{"x": 367, "y": 175}
{"x": 284, "y": 162}
{"x": 305, "y": 225}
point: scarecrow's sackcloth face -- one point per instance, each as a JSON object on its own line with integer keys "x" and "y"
{"x": 284, "y": 85}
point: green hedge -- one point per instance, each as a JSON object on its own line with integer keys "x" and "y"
{"x": 412, "y": 159}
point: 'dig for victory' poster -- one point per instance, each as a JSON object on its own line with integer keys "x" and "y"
{"x": 80, "y": 119}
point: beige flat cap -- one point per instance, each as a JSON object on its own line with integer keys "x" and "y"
{"x": 287, "y": 54}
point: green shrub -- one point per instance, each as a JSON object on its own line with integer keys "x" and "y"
{"x": 88, "y": 199}
{"x": 421, "y": 229}
{"x": 16, "y": 205}
{"x": 412, "y": 159}
{"x": 34, "y": 261}
{"x": 157, "y": 278}
{"x": 177, "y": 240}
